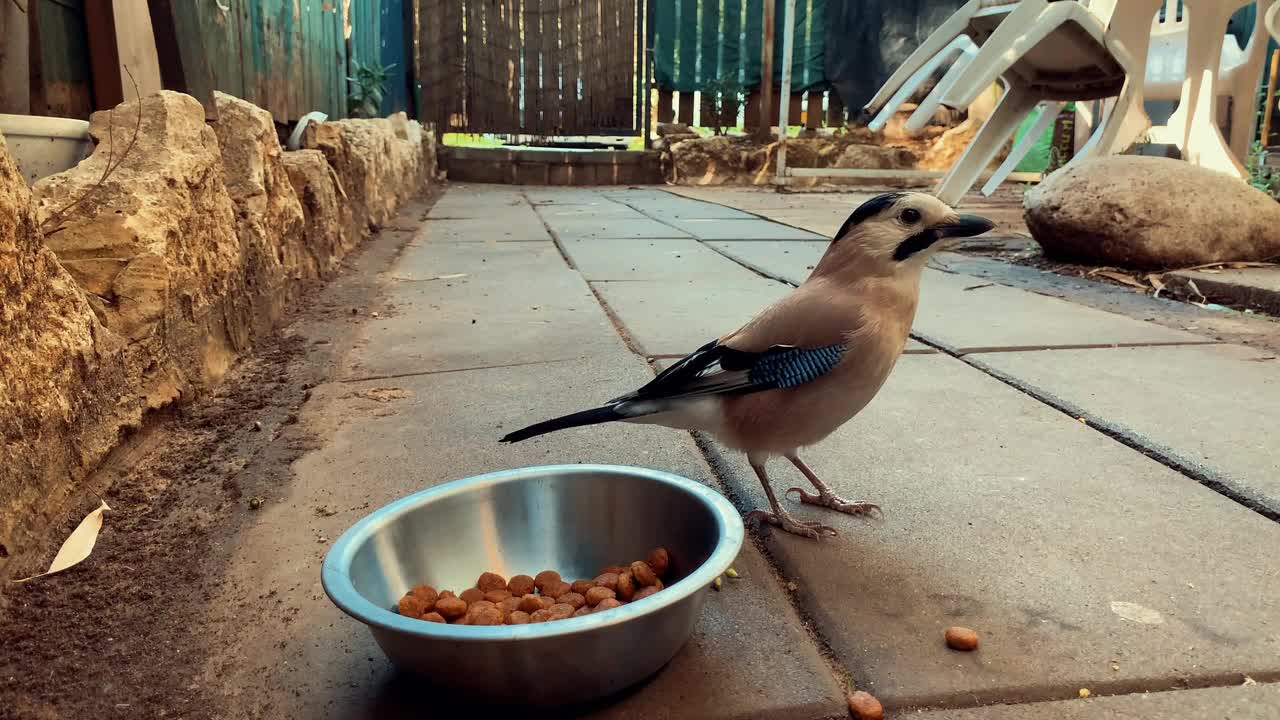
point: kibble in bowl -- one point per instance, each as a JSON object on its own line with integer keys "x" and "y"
{"x": 492, "y": 600}
{"x": 573, "y": 519}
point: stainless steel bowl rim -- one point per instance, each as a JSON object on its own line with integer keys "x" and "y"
{"x": 335, "y": 572}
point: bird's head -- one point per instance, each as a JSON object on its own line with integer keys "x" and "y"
{"x": 895, "y": 233}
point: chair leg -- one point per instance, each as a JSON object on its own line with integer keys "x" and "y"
{"x": 1123, "y": 122}
{"x": 952, "y": 28}
{"x": 933, "y": 100}
{"x": 1203, "y": 143}
{"x": 1048, "y": 113}
{"x": 910, "y": 86}
{"x": 1029, "y": 23}
{"x": 1017, "y": 101}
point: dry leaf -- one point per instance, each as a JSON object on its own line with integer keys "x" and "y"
{"x": 1157, "y": 282}
{"x": 78, "y": 546}
{"x": 1192, "y": 284}
{"x": 1120, "y": 277}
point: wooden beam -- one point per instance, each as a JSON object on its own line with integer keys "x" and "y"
{"x": 813, "y": 111}
{"x": 835, "y": 109}
{"x": 686, "y": 108}
{"x": 751, "y": 115}
{"x": 768, "y": 110}
{"x": 195, "y": 81}
{"x": 666, "y": 106}
{"x": 120, "y": 36}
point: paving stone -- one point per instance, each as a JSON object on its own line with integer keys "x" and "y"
{"x": 467, "y": 322}
{"x": 1209, "y": 408}
{"x": 966, "y": 314}
{"x": 1064, "y": 549}
{"x": 789, "y": 260}
{"x": 674, "y": 317}
{"x": 684, "y": 259}
{"x": 667, "y": 206}
{"x": 753, "y": 229}
{"x": 1258, "y": 702}
{"x": 510, "y": 223}
{"x": 613, "y": 225}
{"x": 1248, "y": 288}
{"x": 467, "y": 200}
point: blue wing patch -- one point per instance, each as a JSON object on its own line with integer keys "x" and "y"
{"x": 795, "y": 366}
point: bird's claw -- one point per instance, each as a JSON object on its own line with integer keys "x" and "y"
{"x": 786, "y": 523}
{"x": 837, "y": 503}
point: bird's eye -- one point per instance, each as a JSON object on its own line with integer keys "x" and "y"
{"x": 910, "y": 216}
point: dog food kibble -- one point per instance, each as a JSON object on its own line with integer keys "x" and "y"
{"x": 645, "y": 592}
{"x": 497, "y": 596}
{"x": 607, "y": 604}
{"x": 865, "y": 706}
{"x": 545, "y": 597}
{"x": 598, "y": 594}
{"x": 412, "y": 606}
{"x": 626, "y": 587}
{"x": 544, "y": 578}
{"x": 961, "y": 638}
{"x": 556, "y": 589}
{"x": 491, "y": 581}
{"x": 643, "y": 574}
{"x": 427, "y": 594}
{"x": 521, "y": 585}
{"x": 451, "y": 608}
{"x": 660, "y": 560}
{"x": 576, "y": 600}
{"x": 560, "y": 611}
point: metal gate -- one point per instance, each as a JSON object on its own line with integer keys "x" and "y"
{"x": 536, "y": 67}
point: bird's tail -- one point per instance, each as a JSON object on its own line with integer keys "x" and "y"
{"x": 594, "y": 416}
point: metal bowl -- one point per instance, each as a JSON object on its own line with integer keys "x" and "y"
{"x": 574, "y": 519}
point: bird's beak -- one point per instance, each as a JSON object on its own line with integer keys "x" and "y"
{"x": 963, "y": 226}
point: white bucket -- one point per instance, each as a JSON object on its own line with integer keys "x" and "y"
{"x": 43, "y": 146}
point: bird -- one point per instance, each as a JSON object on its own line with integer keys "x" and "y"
{"x": 806, "y": 364}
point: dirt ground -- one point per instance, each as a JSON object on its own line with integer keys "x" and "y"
{"x": 117, "y": 631}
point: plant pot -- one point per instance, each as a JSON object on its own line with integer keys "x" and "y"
{"x": 44, "y": 146}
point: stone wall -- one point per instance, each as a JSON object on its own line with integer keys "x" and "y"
{"x": 119, "y": 297}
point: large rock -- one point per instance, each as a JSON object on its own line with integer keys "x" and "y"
{"x": 380, "y": 162}
{"x": 158, "y": 236}
{"x": 61, "y": 375}
{"x": 330, "y": 230}
{"x": 268, "y": 215}
{"x": 1151, "y": 213}
{"x": 876, "y": 157}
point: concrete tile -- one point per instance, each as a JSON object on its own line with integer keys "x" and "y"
{"x": 611, "y": 225}
{"x": 753, "y": 229}
{"x": 469, "y": 200}
{"x": 1258, "y": 702}
{"x": 684, "y": 259}
{"x": 668, "y": 206}
{"x": 499, "y": 223}
{"x": 675, "y": 317}
{"x": 790, "y": 260}
{"x": 1209, "y": 408}
{"x": 749, "y": 657}
{"x": 1064, "y": 549}
{"x": 468, "y": 322}
{"x": 966, "y": 314}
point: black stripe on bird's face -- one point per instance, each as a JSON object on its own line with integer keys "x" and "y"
{"x": 868, "y": 210}
{"x": 960, "y": 226}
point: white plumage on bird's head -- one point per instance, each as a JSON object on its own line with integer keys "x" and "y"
{"x": 895, "y": 233}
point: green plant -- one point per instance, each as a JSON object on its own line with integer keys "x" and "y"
{"x": 368, "y": 86}
{"x": 1266, "y": 179}
{"x": 725, "y": 95}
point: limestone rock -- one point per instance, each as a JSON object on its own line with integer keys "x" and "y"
{"x": 269, "y": 217}
{"x": 330, "y": 233}
{"x": 60, "y": 376}
{"x": 380, "y": 162}
{"x": 159, "y": 233}
{"x": 675, "y": 129}
{"x": 876, "y": 157}
{"x": 1151, "y": 213}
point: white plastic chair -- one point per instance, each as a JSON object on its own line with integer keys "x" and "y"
{"x": 959, "y": 52}
{"x": 1051, "y": 51}
{"x": 975, "y": 20}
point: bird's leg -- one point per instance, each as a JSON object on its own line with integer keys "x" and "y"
{"x": 826, "y": 497}
{"x": 779, "y": 518}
